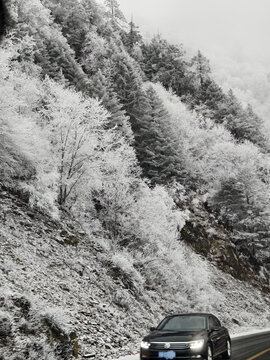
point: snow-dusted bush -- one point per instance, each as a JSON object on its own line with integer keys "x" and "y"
{"x": 123, "y": 265}
{"x": 115, "y": 190}
{"x": 153, "y": 220}
{"x": 19, "y": 129}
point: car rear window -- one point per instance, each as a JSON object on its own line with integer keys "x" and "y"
{"x": 183, "y": 323}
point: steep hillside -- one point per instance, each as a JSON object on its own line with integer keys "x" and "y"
{"x": 62, "y": 291}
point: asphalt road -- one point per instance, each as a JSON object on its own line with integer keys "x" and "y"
{"x": 247, "y": 347}
{"x": 251, "y": 347}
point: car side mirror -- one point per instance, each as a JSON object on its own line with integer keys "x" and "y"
{"x": 153, "y": 328}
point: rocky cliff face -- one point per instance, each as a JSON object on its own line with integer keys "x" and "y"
{"x": 205, "y": 235}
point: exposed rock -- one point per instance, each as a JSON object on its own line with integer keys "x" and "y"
{"x": 89, "y": 356}
{"x": 27, "y": 328}
{"x": 22, "y": 303}
{"x": 235, "y": 321}
{"x": 72, "y": 240}
{"x": 64, "y": 287}
{"x": 5, "y": 326}
{"x": 210, "y": 239}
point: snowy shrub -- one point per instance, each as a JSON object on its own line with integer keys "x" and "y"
{"x": 151, "y": 234}
{"x": 25, "y": 137}
{"x": 122, "y": 263}
{"x": 114, "y": 191}
{"x": 122, "y": 298}
{"x": 153, "y": 220}
{"x": 5, "y": 325}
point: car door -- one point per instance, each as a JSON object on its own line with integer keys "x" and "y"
{"x": 222, "y": 341}
{"x": 215, "y": 334}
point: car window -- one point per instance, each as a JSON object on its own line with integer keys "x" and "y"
{"x": 214, "y": 322}
{"x": 183, "y": 323}
{"x": 211, "y": 322}
{"x": 217, "y": 322}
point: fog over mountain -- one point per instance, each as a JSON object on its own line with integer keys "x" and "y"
{"x": 240, "y": 28}
{"x": 232, "y": 34}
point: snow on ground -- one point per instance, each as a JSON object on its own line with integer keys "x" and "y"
{"x": 130, "y": 357}
{"x": 250, "y": 332}
{"x": 52, "y": 265}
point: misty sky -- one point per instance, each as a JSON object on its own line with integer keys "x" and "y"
{"x": 239, "y": 28}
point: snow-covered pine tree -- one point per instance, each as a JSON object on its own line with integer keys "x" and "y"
{"x": 156, "y": 146}
{"x": 201, "y": 69}
{"x": 100, "y": 87}
{"x": 131, "y": 38}
{"x": 165, "y": 63}
{"x": 126, "y": 79}
{"x": 243, "y": 124}
{"x": 114, "y": 12}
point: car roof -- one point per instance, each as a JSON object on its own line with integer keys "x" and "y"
{"x": 192, "y": 314}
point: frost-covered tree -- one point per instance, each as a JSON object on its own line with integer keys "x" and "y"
{"x": 132, "y": 40}
{"x": 74, "y": 123}
{"x": 116, "y": 189}
{"x": 48, "y": 47}
{"x": 101, "y": 87}
{"x": 233, "y": 175}
{"x": 27, "y": 162}
{"x": 156, "y": 146}
{"x": 165, "y": 63}
{"x": 244, "y": 124}
{"x": 114, "y": 11}
{"x": 201, "y": 68}
{"x": 77, "y": 19}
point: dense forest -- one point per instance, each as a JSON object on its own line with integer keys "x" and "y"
{"x": 136, "y": 142}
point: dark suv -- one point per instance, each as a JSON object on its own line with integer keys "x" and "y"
{"x": 187, "y": 336}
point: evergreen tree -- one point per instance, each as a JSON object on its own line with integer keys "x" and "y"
{"x": 156, "y": 148}
{"x": 101, "y": 88}
{"x": 246, "y": 220}
{"x": 114, "y": 12}
{"x": 243, "y": 124}
{"x": 131, "y": 38}
{"x": 254, "y": 129}
{"x": 76, "y": 27}
{"x": 56, "y": 60}
{"x": 201, "y": 69}
{"x": 126, "y": 80}
{"x": 208, "y": 96}
{"x": 232, "y": 203}
{"x": 165, "y": 63}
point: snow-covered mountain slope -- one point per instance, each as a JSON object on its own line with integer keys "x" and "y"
{"x": 60, "y": 292}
